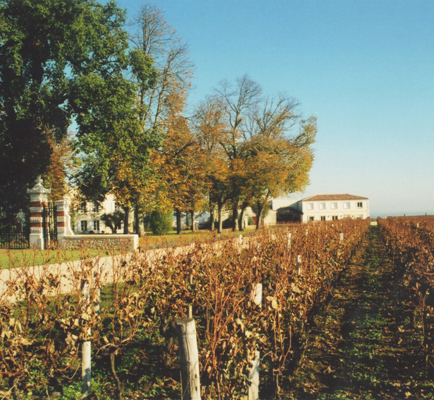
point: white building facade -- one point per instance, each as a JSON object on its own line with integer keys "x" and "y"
{"x": 328, "y": 207}
{"x": 88, "y": 216}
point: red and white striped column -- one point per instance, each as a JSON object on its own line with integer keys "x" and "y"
{"x": 38, "y": 199}
{"x": 63, "y": 221}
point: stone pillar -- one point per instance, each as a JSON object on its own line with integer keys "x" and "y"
{"x": 63, "y": 220}
{"x": 38, "y": 199}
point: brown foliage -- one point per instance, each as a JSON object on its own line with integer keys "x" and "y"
{"x": 145, "y": 293}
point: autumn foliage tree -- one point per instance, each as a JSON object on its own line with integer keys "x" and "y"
{"x": 259, "y": 147}
{"x": 183, "y": 166}
{"x": 210, "y": 130}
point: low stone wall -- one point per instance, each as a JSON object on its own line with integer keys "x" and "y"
{"x": 100, "y": 242}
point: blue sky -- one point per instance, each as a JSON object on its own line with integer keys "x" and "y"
{"x": 364, "y": 68}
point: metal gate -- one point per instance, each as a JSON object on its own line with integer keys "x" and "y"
{"x": 49, "y": 224}
{"x": 15, "y": 230}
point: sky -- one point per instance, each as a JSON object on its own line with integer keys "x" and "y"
{"x": 364, "y": 68}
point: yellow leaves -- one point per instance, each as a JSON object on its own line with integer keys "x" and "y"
{"x": 295, "y": 289}
{"x": 273, "y": 301}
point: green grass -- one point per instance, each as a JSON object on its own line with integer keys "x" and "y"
{"x": 16, "y": 258}
{"x": 24, "y": 258}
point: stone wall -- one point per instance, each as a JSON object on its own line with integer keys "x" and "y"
{"x": 65, "y": 236}
{"x": 100, "y": 242}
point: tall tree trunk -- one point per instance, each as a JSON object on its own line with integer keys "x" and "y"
{"x": 138, "y": 228}
{"x": 178, "y": 221}
{"x": 240, "y": 220}
{"x": 260, "y": 207}
{"x": 235, "y": 217}
{"x": 220, "y": 222}
{"x": 212, "y": 217}
{"x": 192, "y": 221}
{"x": 126, "y": 219}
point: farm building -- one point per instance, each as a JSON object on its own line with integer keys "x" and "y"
{"x": 325, "y": 207}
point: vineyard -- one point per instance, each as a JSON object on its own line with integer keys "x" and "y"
{"x": 323, "y": 310}
{"x": 130, "y": 321}
{"x": 410, "y": 243}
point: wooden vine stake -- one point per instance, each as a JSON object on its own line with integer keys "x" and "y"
{"x": 86, "y": 349}
{"x": 190, "y": 306}
{"x": 299, "y": 265}
{"x": 256, "y": 297}
{"x": 189, "y": 359}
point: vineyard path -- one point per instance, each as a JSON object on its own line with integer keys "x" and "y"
{"x": 364, "y": 344}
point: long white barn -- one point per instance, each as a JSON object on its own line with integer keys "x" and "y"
{"x": 328, "y": 207}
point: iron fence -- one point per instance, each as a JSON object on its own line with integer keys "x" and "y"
{"x": 15, "y": 230}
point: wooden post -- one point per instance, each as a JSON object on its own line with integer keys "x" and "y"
{"x": 96, "y": 283}
{"x": 256, "y": 297}
{"x": 341, "y": 237}
{"x": 299, "y": 265}
{"x": 289, "y": 240}
{"x": 189, "y": 359}
{"x": 190, "y": 306}
{"x": 86, "y": 351}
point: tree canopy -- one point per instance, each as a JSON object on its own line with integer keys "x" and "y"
{"x": 66, "y": 62}
{"x": 262, "y": 146}
{"x": 53, "y": 54}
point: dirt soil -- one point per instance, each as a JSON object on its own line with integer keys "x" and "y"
{"x": 364, "y": 344}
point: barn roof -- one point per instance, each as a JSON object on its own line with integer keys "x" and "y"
{"x": 329, "y": 197}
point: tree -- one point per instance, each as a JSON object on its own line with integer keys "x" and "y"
{"x": 160, "y": 222}
{"x": 113, "y": 142}
{"x": 211, "y": 131}
{"x": 113, "y": 220}
{"x": 279, "y": 161}
{"x": 263, "y": 156}
{"x": 51, "y": 51}
{"x": 62, "y": 163}
{"x": 237, "y": 101}
{"x": 155, "y": 38}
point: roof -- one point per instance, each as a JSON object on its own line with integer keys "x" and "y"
{"x": 328, "y": 197}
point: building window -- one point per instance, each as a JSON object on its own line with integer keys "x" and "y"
{"x": 322, "y": 206}
{"x": 83, "y": 207}
{"x": 83, "y": 226}
{"x": 360, "y": 204}
{"x": 323, "y": 218}
{"x": 347, "y": 205}
{"x": 95, "y": 207}
{"x": 311, "y": 218}
{"x": 96, "y": 226}
{"x": 334, "y": 206}
{"x": 310, "y": 206}
{"x": 334, "y": 217}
